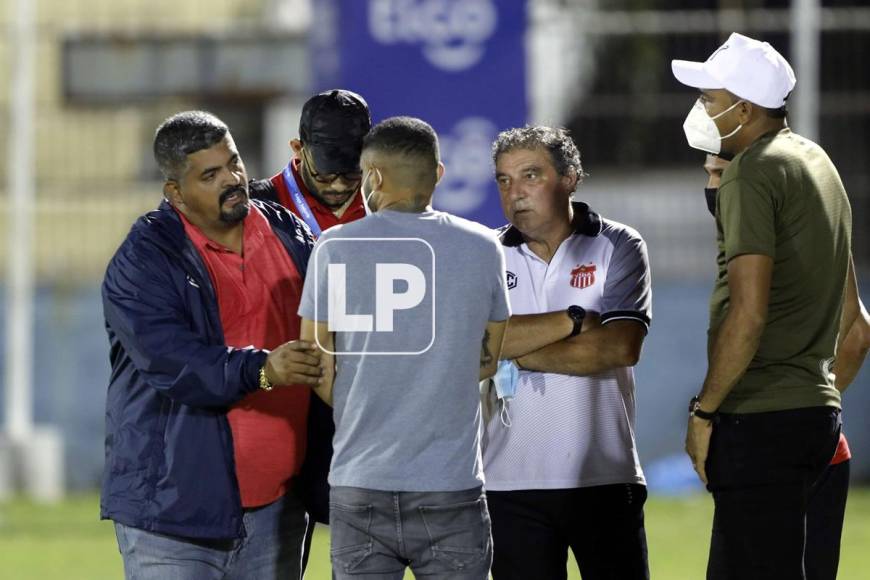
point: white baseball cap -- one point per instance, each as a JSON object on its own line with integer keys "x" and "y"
{"x": 751, "y": 69}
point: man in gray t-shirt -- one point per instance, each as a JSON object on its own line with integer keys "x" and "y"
{"x": 410, "y": 306}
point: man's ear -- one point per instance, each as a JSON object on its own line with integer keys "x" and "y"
{"x": 380, "y": 178}
{"x": 296, "y": 146}
{"x": 569, "y": 180}
{"x": 439, "y": 171}
{"x": 172, "y": 193}
{"x": 745, "y": 111}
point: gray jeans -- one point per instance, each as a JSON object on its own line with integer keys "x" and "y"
{"x": 271, "y": 550}
{"x": 440, "y": 535}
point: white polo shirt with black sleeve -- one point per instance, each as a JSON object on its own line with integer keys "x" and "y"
{"x": 567, "y": 431}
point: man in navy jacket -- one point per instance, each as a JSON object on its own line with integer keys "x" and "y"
{"x": 182, "y": 398}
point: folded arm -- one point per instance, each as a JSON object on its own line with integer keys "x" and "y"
{"x": 602, "y": 348}
{"x": 530, "y": 332}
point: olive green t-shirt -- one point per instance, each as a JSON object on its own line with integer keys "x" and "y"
{"x": 782, "y": 197}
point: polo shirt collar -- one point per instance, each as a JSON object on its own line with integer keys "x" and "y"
{"x": 255, "y": 227}
{"x": 586, "y": 222}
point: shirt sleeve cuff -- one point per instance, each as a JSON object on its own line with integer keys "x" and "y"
{"x": 614, "y": 315}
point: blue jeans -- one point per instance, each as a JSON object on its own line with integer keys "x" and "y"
{"x": 440, "y": 535}
{"x": 271, "y": 550}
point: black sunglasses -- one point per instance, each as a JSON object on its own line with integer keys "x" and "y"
{"x": 328, "y": 178}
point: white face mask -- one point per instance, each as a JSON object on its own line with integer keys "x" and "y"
{"x": 702, "y": 133}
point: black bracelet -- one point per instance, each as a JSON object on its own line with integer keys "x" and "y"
{"x": 696, "y": 411}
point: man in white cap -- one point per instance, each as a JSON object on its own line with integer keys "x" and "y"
{"x": 767, "y": 419}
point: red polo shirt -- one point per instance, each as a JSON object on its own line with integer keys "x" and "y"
{"x": 324, "y": 216}
{"x": 258, "y": 296}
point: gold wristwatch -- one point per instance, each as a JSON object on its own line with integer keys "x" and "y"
{"x": 265, "y": 383}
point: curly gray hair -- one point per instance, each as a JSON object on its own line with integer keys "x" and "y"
{"x": 555, "y": 140}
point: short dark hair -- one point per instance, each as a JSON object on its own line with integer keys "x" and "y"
{"x": 182, "y": 134}
{"x": 777, "y": 113}
{"x": 780, "y": 113}
{"x": 555, "y": 140}
{"x": 405, "y": 136}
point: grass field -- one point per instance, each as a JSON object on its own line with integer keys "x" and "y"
{"x": 67, "y": 542}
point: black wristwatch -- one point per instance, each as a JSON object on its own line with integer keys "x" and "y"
{"x": 576, "y": 314}
{"x": 696, "y": 411}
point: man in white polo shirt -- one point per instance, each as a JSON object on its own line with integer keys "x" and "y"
{"x": 561, "y": 464}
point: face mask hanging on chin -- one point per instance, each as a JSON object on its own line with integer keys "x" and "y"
{"x": 701, "y": 130}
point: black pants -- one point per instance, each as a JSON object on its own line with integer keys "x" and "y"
{"x": 825, "y": 512}
{"x": 761, "y": 469}
{"x": 603, "y": 525}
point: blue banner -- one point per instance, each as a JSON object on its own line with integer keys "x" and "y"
{"x": 457, "y": 64}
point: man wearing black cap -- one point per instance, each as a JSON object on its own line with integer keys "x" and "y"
{"x": 320, "y": 184}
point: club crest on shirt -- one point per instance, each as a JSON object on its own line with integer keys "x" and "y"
{"x": 583, "y": 276}
{"x": 511, "y": 280}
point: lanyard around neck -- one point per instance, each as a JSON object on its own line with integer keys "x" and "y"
{"x": 299, "y": 200}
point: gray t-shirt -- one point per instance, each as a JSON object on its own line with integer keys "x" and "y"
{"x": 419, "y": 289}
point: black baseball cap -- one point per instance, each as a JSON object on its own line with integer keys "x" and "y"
{"x": 332, "y": 128}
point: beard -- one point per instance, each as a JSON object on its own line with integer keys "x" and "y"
{"x": 335, "y": 200}
{"x": 239, "y": 211}
{"x": 328, "y": 197}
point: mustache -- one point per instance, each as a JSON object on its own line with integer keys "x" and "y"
{"x": 333, "y": 192}
{"x": 230, "y": 191}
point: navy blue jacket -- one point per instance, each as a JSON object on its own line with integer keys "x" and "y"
{"x": 169, "y": 450}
